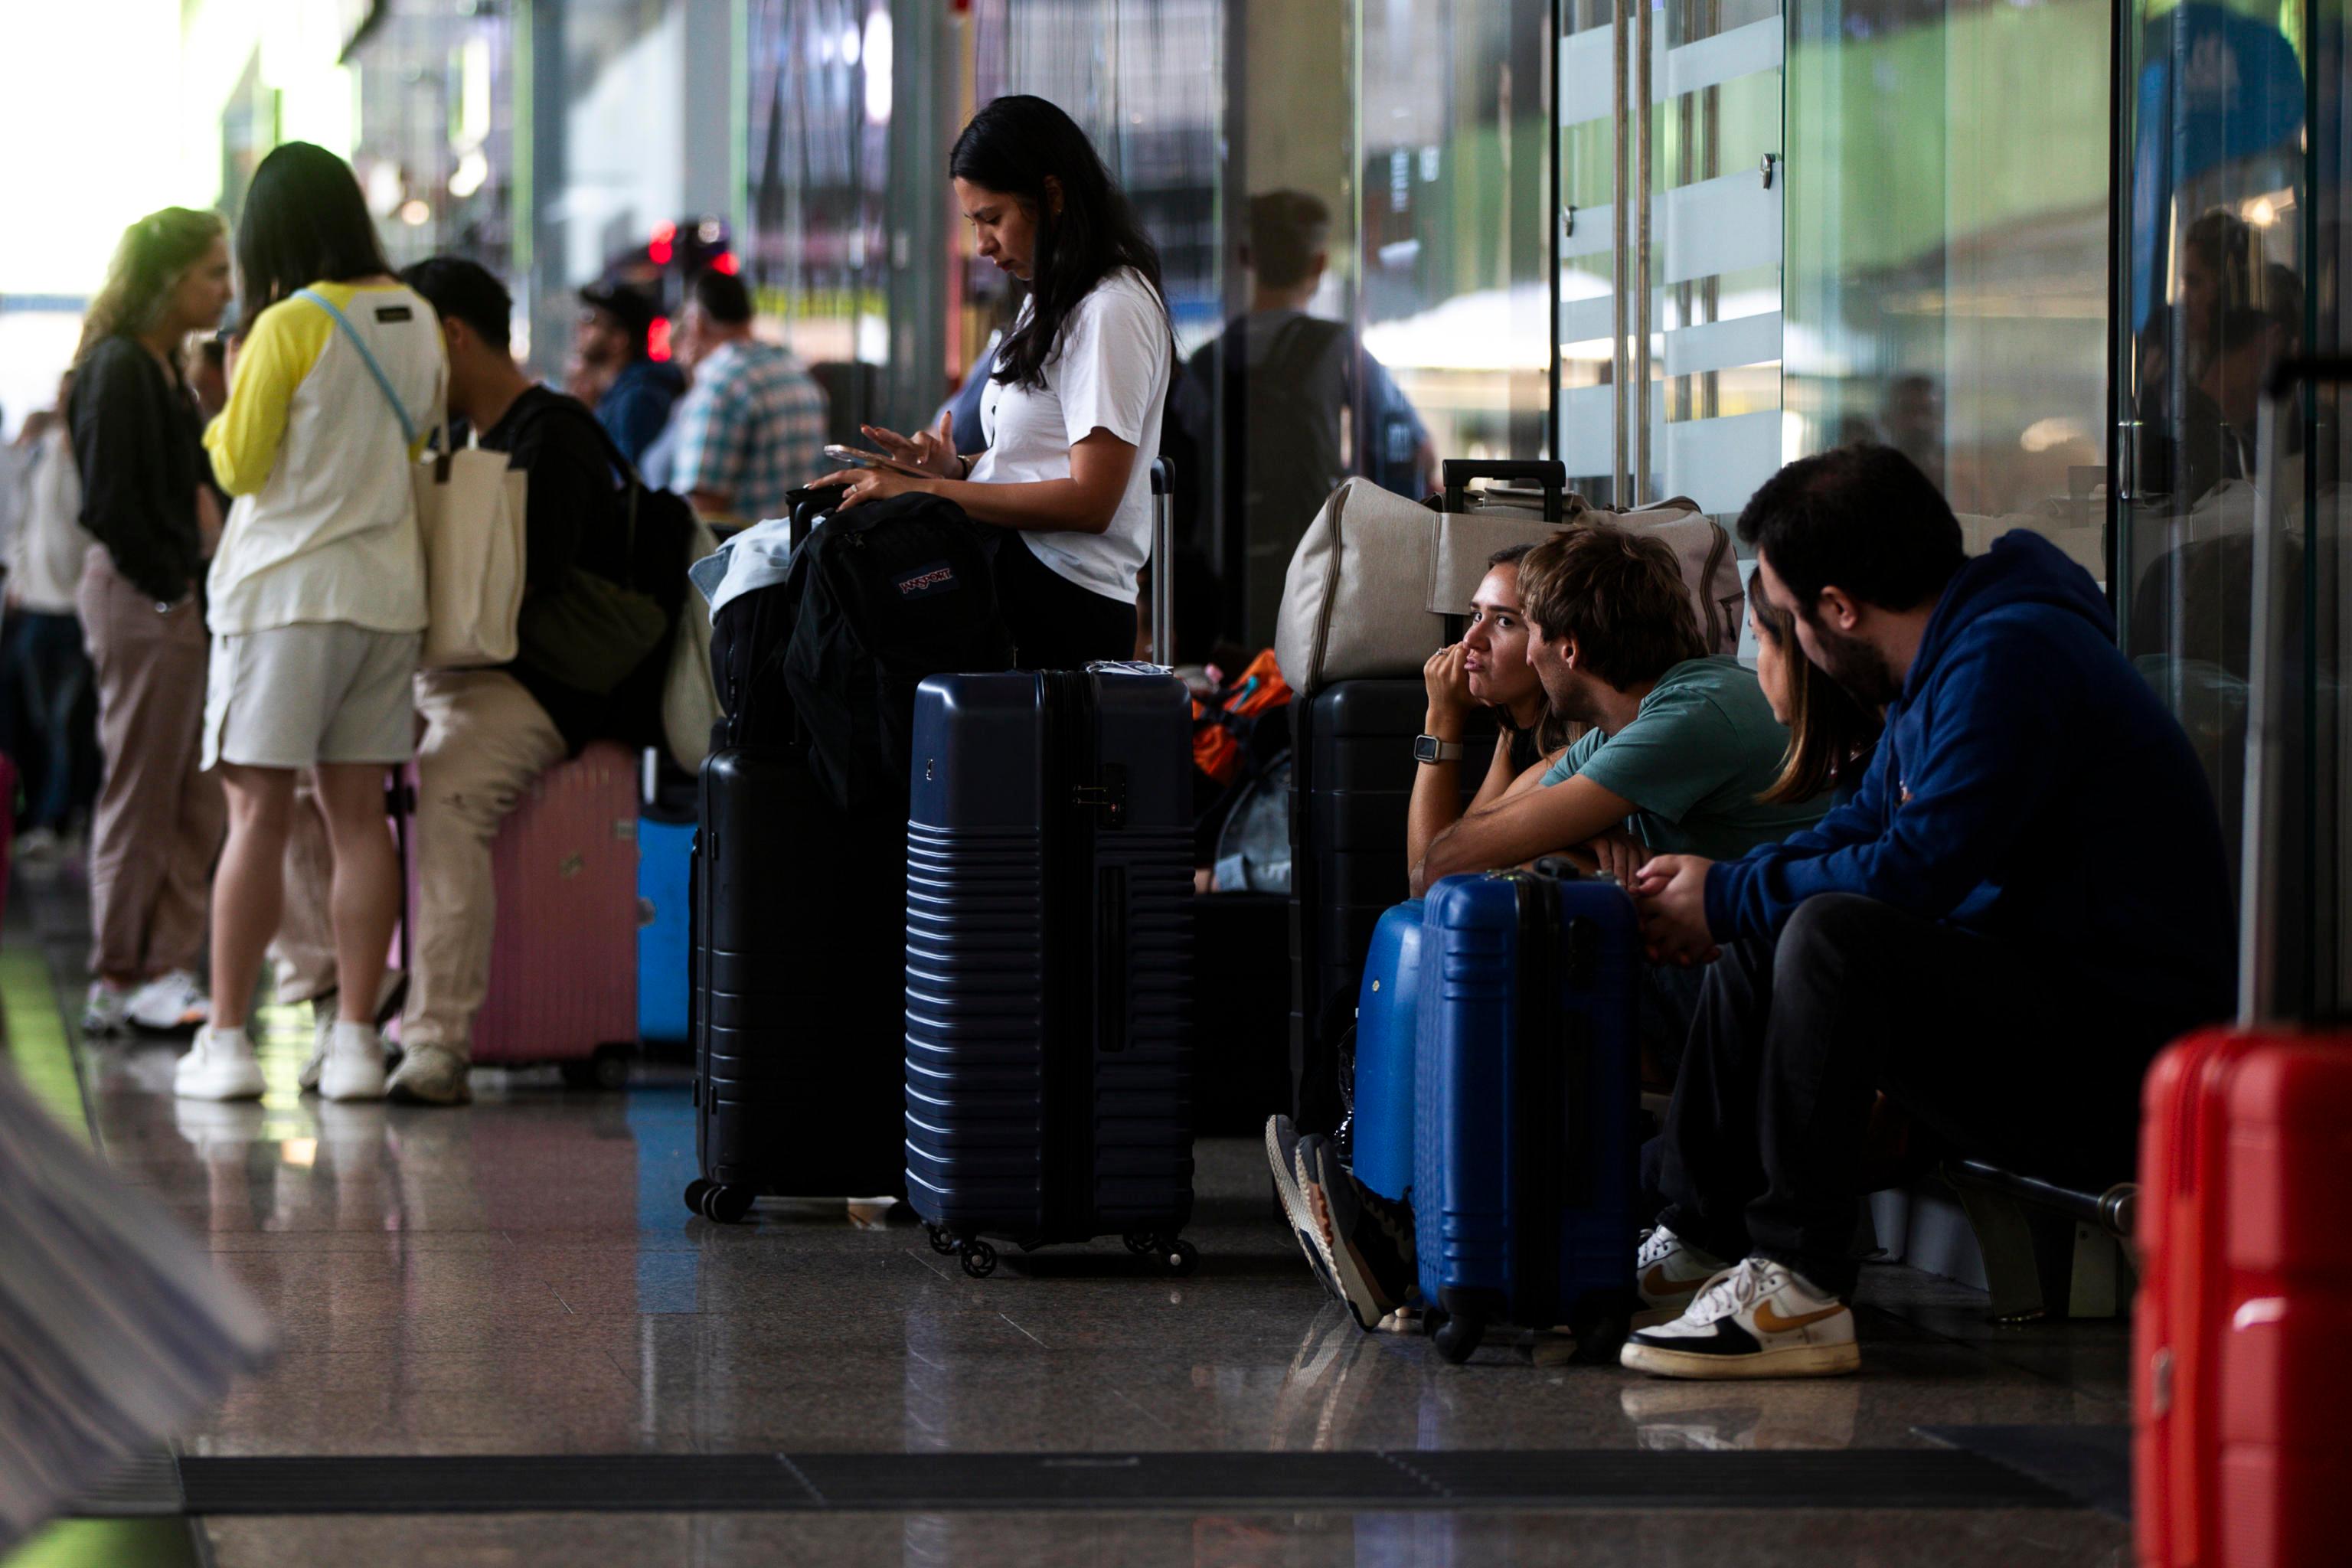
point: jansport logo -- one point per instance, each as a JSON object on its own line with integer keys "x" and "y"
{"x": 925, "y": 581}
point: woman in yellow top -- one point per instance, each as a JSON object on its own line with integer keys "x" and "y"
{"x": 317, "y": 598}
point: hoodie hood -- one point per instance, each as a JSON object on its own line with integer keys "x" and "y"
{"x": 2022, "y": 569}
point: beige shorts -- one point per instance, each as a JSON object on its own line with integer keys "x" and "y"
{"x": 327, "y": 692}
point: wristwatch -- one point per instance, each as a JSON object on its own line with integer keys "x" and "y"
{"x": 1430, "y": 749}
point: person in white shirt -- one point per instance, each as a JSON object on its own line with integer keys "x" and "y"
{"x": 1073, "y": 407}
{"x": 48, "y": 670}
{"x": 316, "y": 597}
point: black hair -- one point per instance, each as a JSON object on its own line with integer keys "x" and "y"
{"x": 1861, "y": 518}
{"x": 1012, "y": 147}
{"x": 722, "y": 297}
{"x": 304, "y": 222}
{"x": 1285, "y": 229}
{"x": 467, "y": 292}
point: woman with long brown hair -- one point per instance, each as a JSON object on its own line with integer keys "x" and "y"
{"x": 146, "y": 499}
{"x": 1830, "y": 736}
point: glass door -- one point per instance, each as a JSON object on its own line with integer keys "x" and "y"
{"x": 2231, "y": 216}
{"x": 1668, "y": 292}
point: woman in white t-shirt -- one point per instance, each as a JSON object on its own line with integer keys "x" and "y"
{"x": 1073, "y": 407}
{"x": 315, "y": 597}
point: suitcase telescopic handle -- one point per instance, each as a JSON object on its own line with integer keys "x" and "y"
{"x": 1456, "y": 473}
{"x": 2271, "y": 710}
{"x": 1163, "y": 564}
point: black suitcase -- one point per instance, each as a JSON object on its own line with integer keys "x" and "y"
{"x": 1048, "y": 961}
{"x": 1351, "y": 783}
{"x": 795, "y": 910}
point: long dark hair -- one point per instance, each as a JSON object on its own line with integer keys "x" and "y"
{"x": 1012, "y": 147}
{"x": 304, "y": 222}
{"x": 1830, "y": 734}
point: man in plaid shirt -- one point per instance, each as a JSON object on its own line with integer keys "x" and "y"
{"x": 753, "y": 424}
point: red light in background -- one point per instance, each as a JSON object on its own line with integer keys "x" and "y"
{"x": 660, "y": 251}
{"x": 725, "y": 262}
{"x": 657, "y": 340}
{"x": 663, "y": 233}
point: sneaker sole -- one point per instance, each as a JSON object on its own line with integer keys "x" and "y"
{"x": 1364, "y": 1304}
{"x": 237, "y": 1092}
{"x": 1795, "y": 1361}
{"x": 1294, "y": 1209}
{"x": 401, "y": 1094}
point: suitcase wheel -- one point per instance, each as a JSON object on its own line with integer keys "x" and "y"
{"x": 726, "y": 1204}
{"x": 942, "y": 1242}
{"x": 979, "y": 1258}
{"x": 695, "y": 1192}
{"x": 1458, "y": 1338}
{"x": 1179, "y": 1257}
{"x": 1141, "y": 1242}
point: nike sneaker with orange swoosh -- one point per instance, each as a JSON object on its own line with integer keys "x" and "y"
{"x": 1761, "y": 1318}
{"x": 1669, "y": 1271}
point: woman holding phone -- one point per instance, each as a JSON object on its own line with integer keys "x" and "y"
{"x": 1072, "y": 409}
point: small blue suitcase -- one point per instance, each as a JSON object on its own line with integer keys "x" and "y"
{"x": 1387, "y": 1014}
{"x": 1049, "y": 885}
{"x": 665, "y": 944}
{"x": 1525, "y": 1153}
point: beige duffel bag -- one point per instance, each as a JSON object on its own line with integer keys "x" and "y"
{"x": 1376, "y": 575}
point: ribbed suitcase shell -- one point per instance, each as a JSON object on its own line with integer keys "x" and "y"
{"x": 563, "y": 955}
{"x": 2241, "y": 1375}
{"x": 1388, "y": 1016}
{"x": 1352, "y": 774}
{"x": 796, "y": 915}
{"x": 1048, "y": 957}
{"x": 1525, "y": 1152}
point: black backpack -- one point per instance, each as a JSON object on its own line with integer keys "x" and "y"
{"x": 825, "y": 663}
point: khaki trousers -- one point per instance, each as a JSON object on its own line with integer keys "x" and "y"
{"x": 485, "y": 739}
{"x": 160, "y": 817}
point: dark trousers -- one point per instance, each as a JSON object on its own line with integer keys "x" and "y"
{"x": 49, "y": 716}
{"x": 1055, "y": 624}
{"x": 1997, "y": 1053}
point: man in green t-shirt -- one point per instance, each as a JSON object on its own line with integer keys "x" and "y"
{"x": 1681, "y": 744}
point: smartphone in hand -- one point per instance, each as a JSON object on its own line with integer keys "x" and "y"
{"x": 856, "y": 458}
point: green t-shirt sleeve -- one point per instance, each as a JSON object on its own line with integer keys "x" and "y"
{"x": 1571, "y": 762}
{"x": 1679, "y": 752}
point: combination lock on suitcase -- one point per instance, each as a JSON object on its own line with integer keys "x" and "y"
{"x": 1049, "y": 880}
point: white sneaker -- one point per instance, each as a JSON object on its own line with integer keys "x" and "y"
{"x": 1761, "y": 1318}
{"x": 218, "y": 1066}
{"x": 1669, "y": 1271}
{"x": 430, "y": 1075}
{"x": 169, "y": 1003}
{"x": 40, "y": 846}
{"x": 105, "y": 1010}
{"x": 353, "y": 1063}
{"x": 323, "y": 1013}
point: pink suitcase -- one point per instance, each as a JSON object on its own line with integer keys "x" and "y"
{"x": 563, "y": 962}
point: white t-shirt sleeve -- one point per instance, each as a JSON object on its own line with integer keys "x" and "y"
{"x": 1108, "y": 375}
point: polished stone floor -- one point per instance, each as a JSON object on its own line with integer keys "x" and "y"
{"x": 521, "y": 1278}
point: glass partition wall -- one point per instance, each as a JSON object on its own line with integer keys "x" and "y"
{"x": 2228, "y": 253}
{"x": 1668, "y": 304}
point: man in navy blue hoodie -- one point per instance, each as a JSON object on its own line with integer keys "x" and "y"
{"x": 2027, "y": 899}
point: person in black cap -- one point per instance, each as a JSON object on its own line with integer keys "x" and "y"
{"x": 612, "y": 346}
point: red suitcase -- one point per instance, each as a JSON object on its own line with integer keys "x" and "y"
{"x": 563, "y": 961}
{"x": 2243, "y": 1335}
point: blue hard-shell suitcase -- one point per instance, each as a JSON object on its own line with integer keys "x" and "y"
{"x": 664, "y": 938}
{"x": 1387, "y": 1014}
{"x": 1049, "y": 880}
{"x": 1529, "y": 1088}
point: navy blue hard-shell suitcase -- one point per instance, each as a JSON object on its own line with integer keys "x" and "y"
{"x": 1049, "y": 880}
{"x": 1526, "y": 1152}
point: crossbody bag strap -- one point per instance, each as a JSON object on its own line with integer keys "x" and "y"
{"x": 367, "y": 357}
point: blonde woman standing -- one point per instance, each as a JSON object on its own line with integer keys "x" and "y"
{"x": 145, "y": 498}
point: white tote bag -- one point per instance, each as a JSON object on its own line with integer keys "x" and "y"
{"x": 471, "y": 511}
